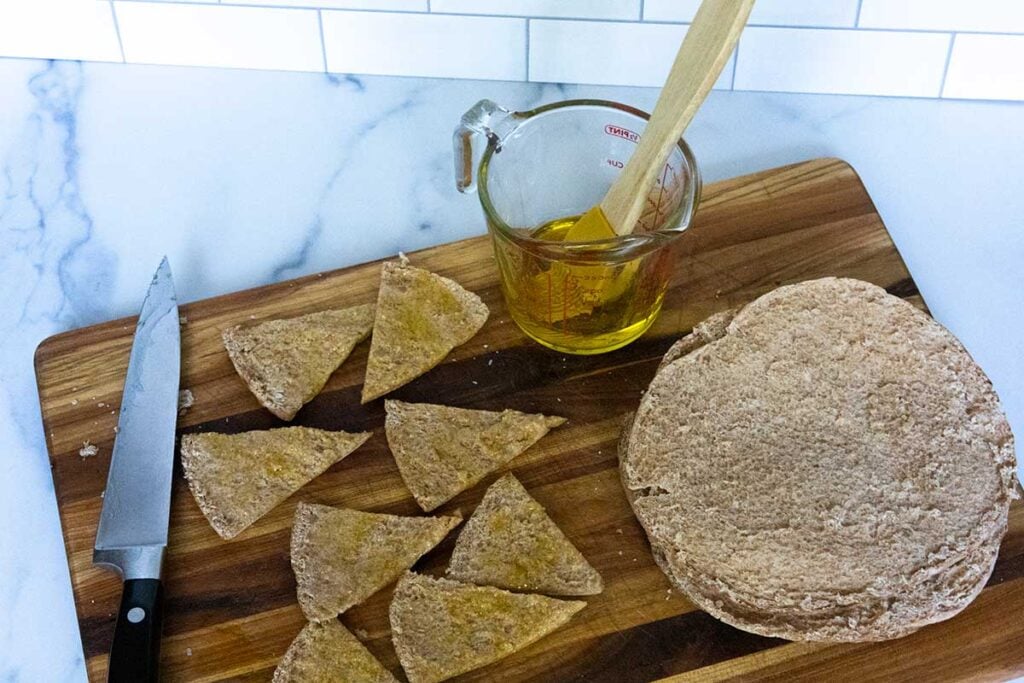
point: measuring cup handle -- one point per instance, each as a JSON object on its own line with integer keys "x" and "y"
{"x": 486, "y": 123}
{"x": 465, "y": 158}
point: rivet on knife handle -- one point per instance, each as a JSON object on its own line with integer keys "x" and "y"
{"x": 135, "y": 654}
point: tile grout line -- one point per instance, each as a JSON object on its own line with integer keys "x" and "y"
{"x": 856, "y": 20}
{"x": 809, "y": 93}
{"x": 117, "y": 32}
{"x": 528, "y": 50}
{"x": 597, "y": 20}
{"x": 323, "y": 43}
{"x": 945, "y": 68}
{"x": 735, "y": 64}
{"x": 987, "y": 100}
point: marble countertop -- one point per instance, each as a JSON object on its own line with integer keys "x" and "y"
{"x": 244, "y": 178}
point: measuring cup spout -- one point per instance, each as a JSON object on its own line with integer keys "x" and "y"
{"x": 485, "y": 122}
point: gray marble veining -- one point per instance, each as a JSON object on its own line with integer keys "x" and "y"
{"x": 248, "y": 177}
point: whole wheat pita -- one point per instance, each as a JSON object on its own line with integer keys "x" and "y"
{"x": 511, "y": 542}
{"x": 874, "y": 462}
{"x": 341, "y": 556}
{"x": 441, "y": 451}
{"x": 287, "y": 362}
{"x": 238, "y": 478}
{"x": 442, "y": 628}
{"x": 421, "y": 317}
{"x": 327, "y": 653}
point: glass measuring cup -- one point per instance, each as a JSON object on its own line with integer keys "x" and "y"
{"x": 538, "y": 170}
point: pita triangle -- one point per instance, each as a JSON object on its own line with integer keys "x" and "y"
{"x": 341, "y": 557}
{"x": 421, "y": 317}
{"x": 287, "y": 362}
{"x": 238, "y": 478}
{"x": 328, "y": 652}
{"x": 511, "y": 542}
{"x": 442, "y": 628}
{"x": 441, "y": 451}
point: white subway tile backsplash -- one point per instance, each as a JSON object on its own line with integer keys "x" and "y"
{"x": 841, "y": 61}
{"x": 766, "y": 12}
{"x": 865, "y": 47}
{"x": 605, "y": 53}
{"x": 670, "y": 10}
{"x": 425, "y": 45}
{"x": 218, "y": 35}
{"x": 383, "y": 5}
{"x": 986, "y": 67}
{"x": 58, "y": 29}
{"x": 998, "y": 16}
{"x": 575, "y": 9}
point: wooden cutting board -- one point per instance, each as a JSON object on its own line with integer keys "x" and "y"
{"x": 230, "y": 606}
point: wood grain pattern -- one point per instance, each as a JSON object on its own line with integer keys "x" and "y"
{"x": 231, "y": 609}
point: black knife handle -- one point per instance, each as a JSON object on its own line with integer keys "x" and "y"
{"x": 135, "y": 654}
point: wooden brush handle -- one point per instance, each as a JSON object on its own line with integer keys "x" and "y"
{"x": 700, "y": 60}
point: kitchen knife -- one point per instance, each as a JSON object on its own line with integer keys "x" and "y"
{"x": 132, "y": 534}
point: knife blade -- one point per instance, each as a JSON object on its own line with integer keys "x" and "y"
{"x": 132, "y": 533}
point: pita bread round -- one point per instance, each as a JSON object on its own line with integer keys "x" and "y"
{"x": 830, "y": 464}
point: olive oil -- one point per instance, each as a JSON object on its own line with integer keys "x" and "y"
{"x": 583, "y": 307}
{"x": 556, "y": 230}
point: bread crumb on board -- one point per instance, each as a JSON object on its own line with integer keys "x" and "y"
{"x": 186, "y": 399}
{"x": 88, "y": 450}
{"x": 188, "y": 652}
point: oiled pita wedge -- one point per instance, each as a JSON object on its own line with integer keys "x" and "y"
{"x": 441, "y": 451}
{"x": 511, "y": 542}
{"x": 238, "y": 478}
{"x": 328, "y": 653}
{"x": 829, "y": 465}
{"x": 287, "y": 362}
{"x": 442, "y": 628}
{"x": 421, "y": 317}
{"x": 341, "y": 557}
